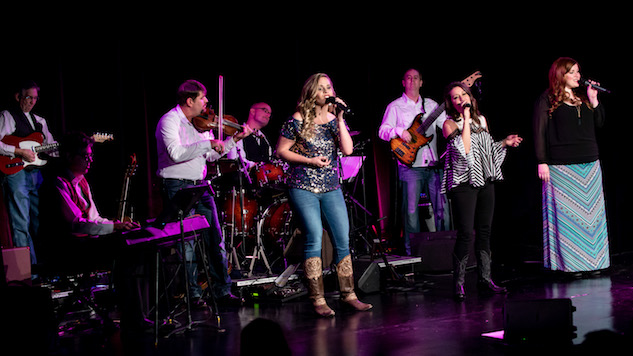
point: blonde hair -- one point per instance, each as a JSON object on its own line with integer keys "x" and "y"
{"x": 307, "y": 104}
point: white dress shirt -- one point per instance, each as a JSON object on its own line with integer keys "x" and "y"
{"x": 399, "y": 116}
{"x": 182, "y": 150}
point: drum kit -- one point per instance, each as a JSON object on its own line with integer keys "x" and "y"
{"x": 256, "y": 216}
{"x": 254, "y": 212}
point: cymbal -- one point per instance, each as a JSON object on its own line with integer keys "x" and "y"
{"x": 354, "y": 133}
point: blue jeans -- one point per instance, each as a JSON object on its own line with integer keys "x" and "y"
{"x": 21, "y": 194}
{"x": 316, "y": 208}
{"x": 415, "y": 181}
{"x": 214, "y": 243}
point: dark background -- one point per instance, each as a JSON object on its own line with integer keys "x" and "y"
{"x": 117, "y": 72}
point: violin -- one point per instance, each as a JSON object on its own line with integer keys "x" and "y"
{"x": 208, "y": 120}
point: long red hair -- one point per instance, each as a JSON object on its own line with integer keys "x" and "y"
{"x": 557, "y": 94}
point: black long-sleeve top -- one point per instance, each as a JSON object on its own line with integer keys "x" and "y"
{"x": 569, "y": 136}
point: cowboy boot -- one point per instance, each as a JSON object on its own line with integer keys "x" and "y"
{"x": 314, "y": 274}
{"x": 459, "y": 276}
{"x": 485, "y": 282}
{"x": 346, "y": 283}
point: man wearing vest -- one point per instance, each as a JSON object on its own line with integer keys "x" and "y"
{"x": 21, "y": 189}
{"x": 255, "y": 148}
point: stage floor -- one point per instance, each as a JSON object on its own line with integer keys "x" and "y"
{"x": 423, "y": 320}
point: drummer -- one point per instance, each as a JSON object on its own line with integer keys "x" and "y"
{"x": 255, "y": 148}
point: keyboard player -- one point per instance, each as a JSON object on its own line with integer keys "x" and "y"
{"x": 75, "y": 237}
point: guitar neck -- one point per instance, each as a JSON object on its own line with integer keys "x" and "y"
{"x": 440, "y": 109}
{"x": 431, "y": 118}
{"x": 46, "y": 148}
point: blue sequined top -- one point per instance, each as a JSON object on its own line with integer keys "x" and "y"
{"x": 323, "y": 143}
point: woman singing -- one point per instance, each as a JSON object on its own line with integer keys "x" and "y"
{"x": 309, "y": 141}
{"x": 575, "y": 237}
{"x": 473, "y": 163}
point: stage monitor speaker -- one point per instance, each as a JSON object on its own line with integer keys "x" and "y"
{"x": 436, "y": 250}
{"x": 539, "y": 321}
{"x": 367, "y": 276}
{"x": 17, "y": 264}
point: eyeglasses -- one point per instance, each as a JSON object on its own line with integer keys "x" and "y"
{"x": 264, "y": 110}
{"x": 34, "y": 98}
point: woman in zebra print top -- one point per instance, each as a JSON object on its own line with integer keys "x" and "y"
{"x": 473, "y": 161}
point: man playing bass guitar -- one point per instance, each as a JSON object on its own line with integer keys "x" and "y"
{"x": 423, "y": 173}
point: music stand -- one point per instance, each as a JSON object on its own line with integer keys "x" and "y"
{"x": 177, "y": 208}
{"x": 183, "y": 201}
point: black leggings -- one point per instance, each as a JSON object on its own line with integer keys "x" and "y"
{"x": 473, "y": 210}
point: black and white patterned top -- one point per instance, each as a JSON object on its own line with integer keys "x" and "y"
{"x": 482, "y": 163}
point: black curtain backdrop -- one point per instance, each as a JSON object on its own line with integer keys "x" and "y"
{"x": 119, "y": 74}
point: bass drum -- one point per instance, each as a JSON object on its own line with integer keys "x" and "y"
{"x": 282, "y": 236}
{"x": 279, "y": 223}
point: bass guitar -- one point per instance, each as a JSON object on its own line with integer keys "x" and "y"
{"x": 406, "y": 152}
{"x": 34, "y": 142}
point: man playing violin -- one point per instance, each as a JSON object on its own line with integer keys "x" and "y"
{"x": 183, "y": 153}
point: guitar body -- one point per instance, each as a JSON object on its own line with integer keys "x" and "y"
{"x": 405, "y": 152}
{"x": 13, "y": 165}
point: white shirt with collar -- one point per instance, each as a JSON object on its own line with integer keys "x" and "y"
{"x": 399, "y": 116}
{"x": 182, "y": 150}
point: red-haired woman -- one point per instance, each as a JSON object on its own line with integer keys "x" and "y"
{"x": 565, "y": 119}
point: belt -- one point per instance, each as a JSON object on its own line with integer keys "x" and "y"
{"x": 188, "y": 181}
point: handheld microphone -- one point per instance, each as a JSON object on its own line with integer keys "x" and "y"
{"x": 332, "y": 100}
{"x": 595, "y": 86}
{"x": 467, "y": 105}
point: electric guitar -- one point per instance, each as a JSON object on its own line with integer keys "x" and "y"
{"x": 406, "y": 152}
{"x": 34, "y": 142}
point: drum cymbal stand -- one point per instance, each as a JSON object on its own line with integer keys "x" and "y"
{"x": 352, "y": 203}
{"x": 243, "y": 170}
{"x": 258, "y": 251}
{"x": 233, "y": 259}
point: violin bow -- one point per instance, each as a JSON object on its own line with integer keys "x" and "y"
{"x": 220, "y": 107}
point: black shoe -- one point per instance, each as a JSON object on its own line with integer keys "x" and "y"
{"x": 488, "y": 286}
{"x": 229, "y": 300}
{"x": 198, "y": 303}
{"x": 459, "y": 295}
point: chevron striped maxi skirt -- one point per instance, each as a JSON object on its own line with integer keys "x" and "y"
{"x": 575, "y": 237}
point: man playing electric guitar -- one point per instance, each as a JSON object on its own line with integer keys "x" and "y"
{"x": 21, "y": 190}
{"x": 424, "y": 173}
